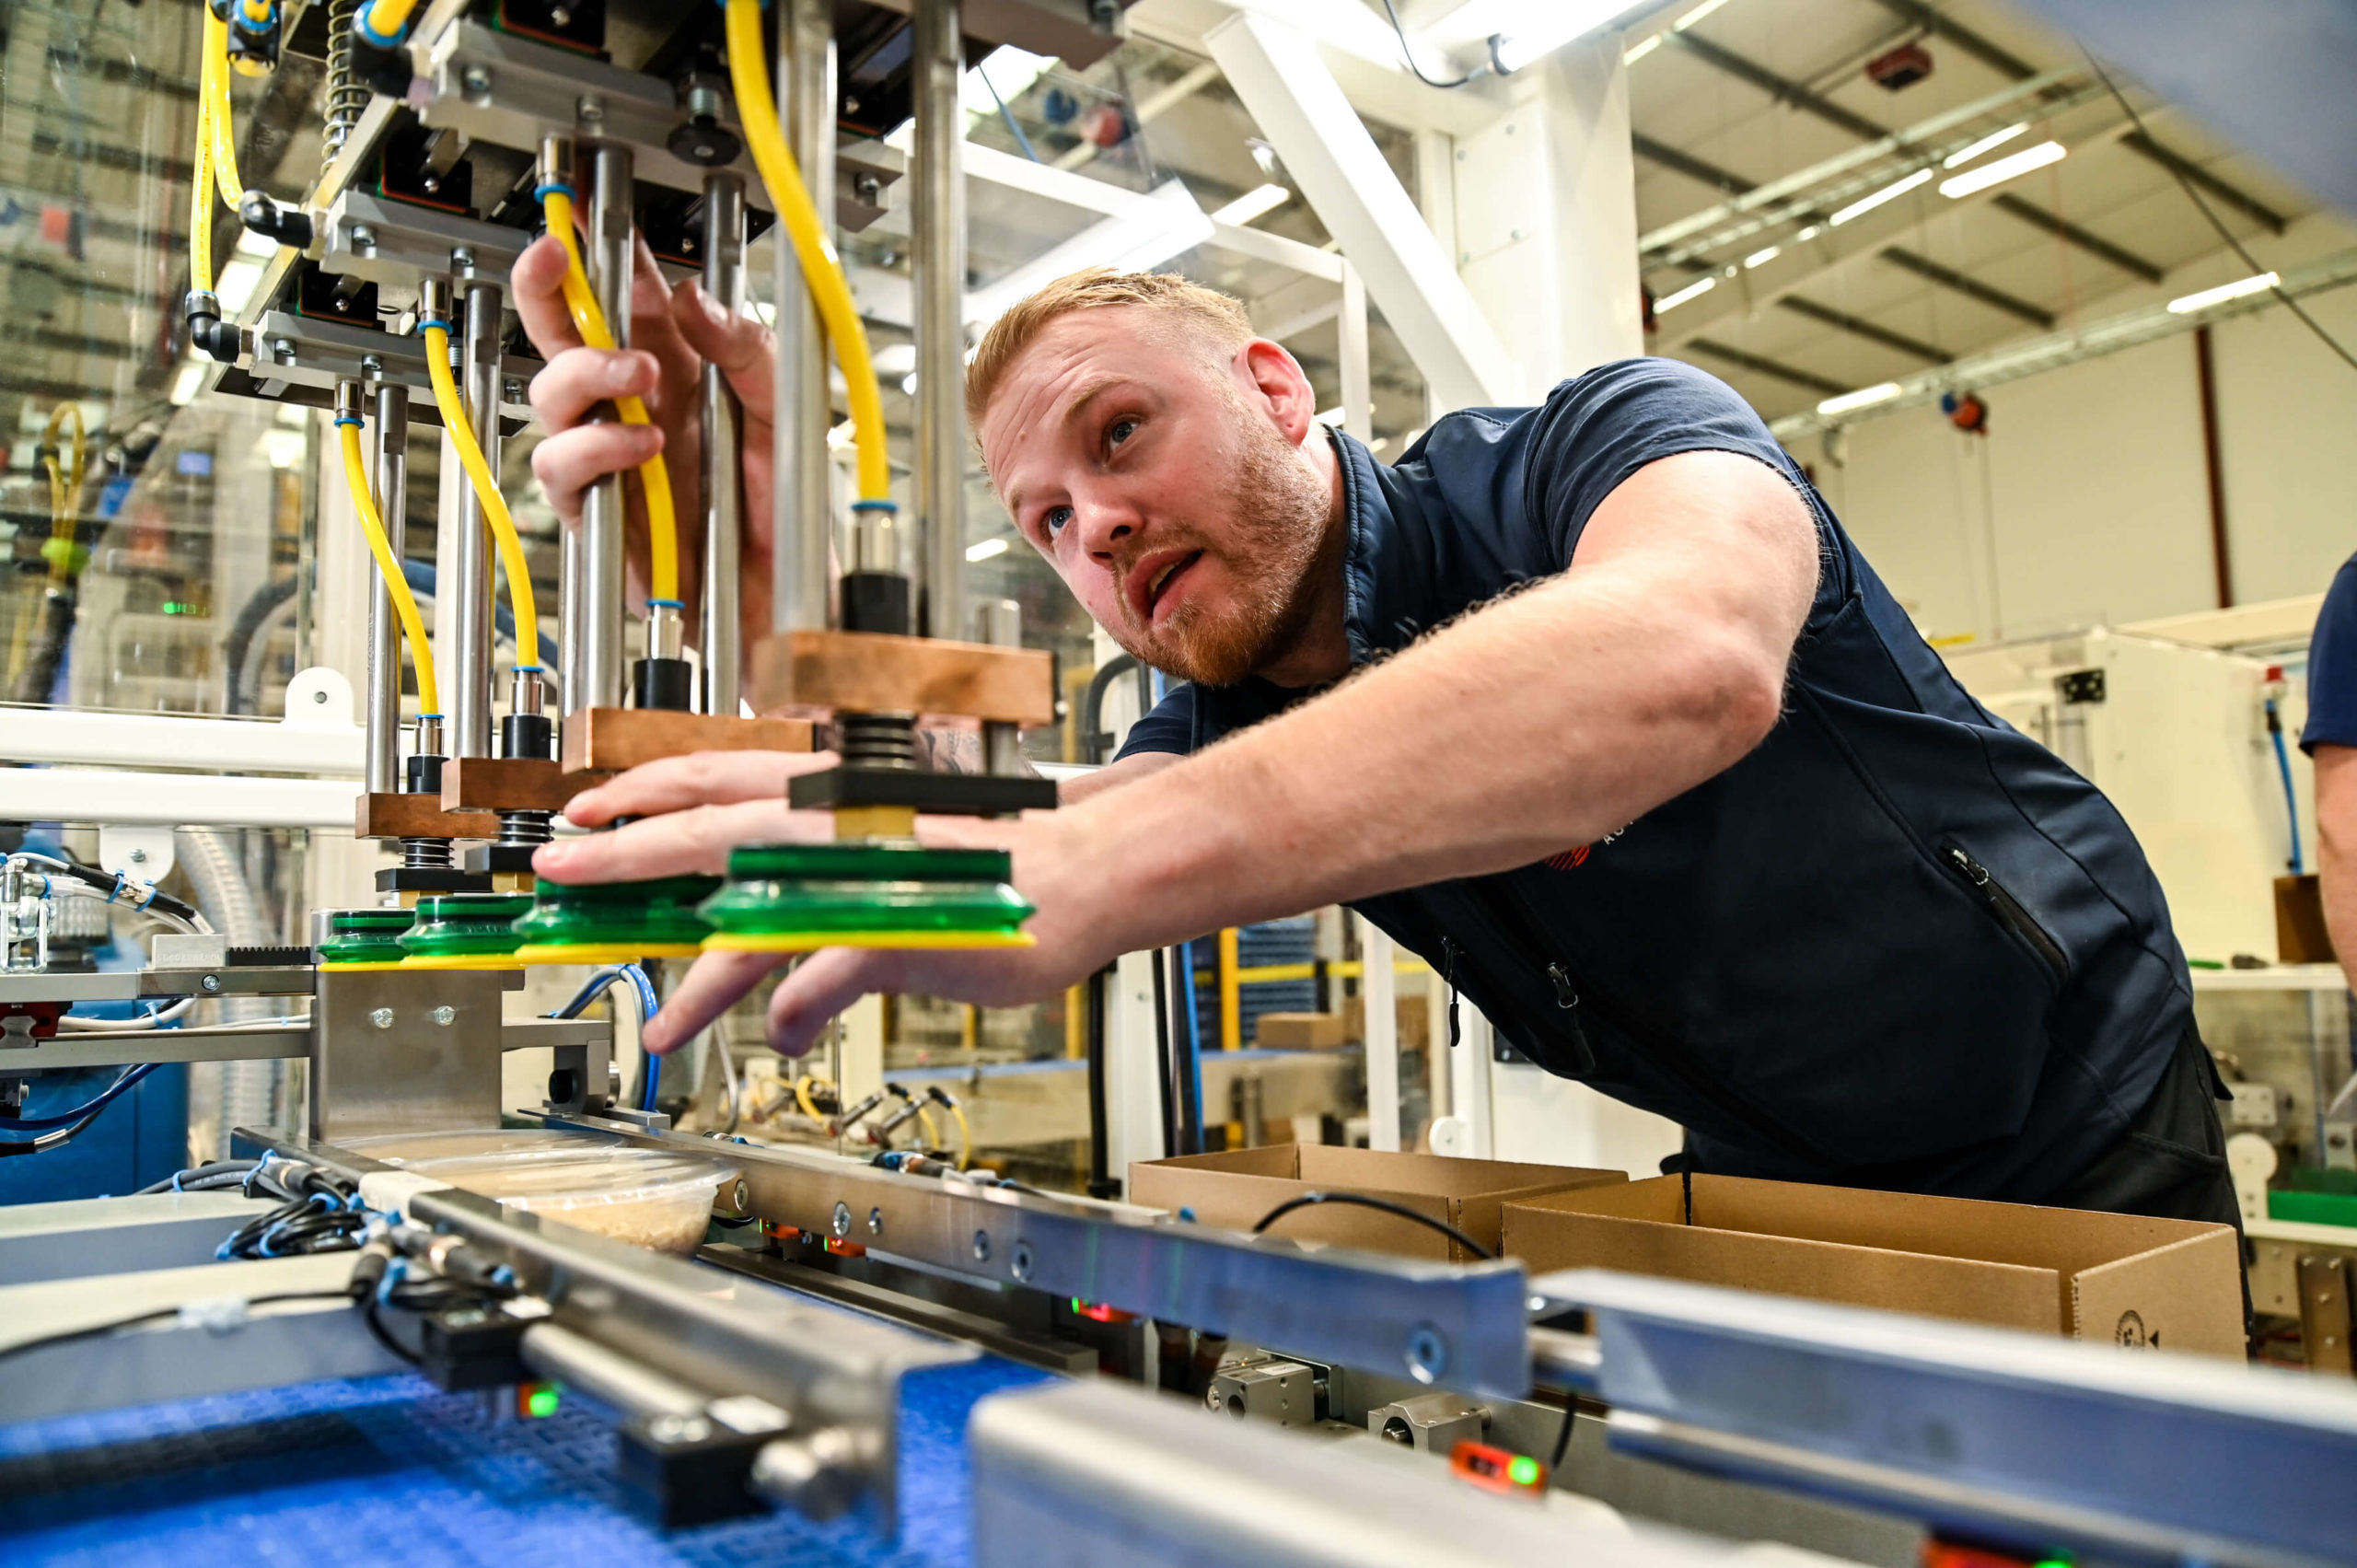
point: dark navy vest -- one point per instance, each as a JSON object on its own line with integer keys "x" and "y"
{"x": 1899, "y": 944}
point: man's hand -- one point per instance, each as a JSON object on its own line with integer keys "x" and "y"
{"x": 692, "y": 810}
{"x": 673, "y": 332}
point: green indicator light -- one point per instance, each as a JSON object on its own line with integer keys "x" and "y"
{"x": 541, "y": 1401}
{"x": 1077, "y": 1305}
{"x": 2056, "y": 1562}
{"x": 1524, "y": 1471}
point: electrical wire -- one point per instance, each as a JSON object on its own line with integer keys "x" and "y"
{"x": 2290, "y": 798}
{"x": 1392, "y": 11}
{"x": 643, "y": 993}
{"x": 150, "y": 1019}
{"x": 179, "y": 1182}
{"x": 821, "y": 270}
{"x": 965, "y": 1128}
{"x": 459, "y": 423}
{"x": 1381, "y": 1205}
{"x": 2224, "y": 233}
{"x": 355, "y": 476}
{"x": 123, "y": 1085}
{"x": 653, "y": 477}
{"x": 100, "y": 1330}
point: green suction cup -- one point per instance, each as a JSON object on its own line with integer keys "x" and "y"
{"x": 365, "y": 939}
{"x": 615, "y": 922}
{"x": 793, "y": 898}
{"x": 465, "y": 930}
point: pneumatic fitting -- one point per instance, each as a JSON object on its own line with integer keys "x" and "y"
{"x": 207, "y": 330}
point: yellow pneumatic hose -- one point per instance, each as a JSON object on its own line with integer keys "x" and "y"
{"x": 495, "y": 506}
{"x": 65, "y": 487}
{"x": 355, "y": 474}
{"x": 199, "y": 215}
{"x": 749, "y": 73}
{"x": 663, "y": 528}
{"x": 215, "y": 86}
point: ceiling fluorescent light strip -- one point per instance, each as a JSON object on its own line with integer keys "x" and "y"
{"x": 2008, "y": 168}
{"x": 1890, "y": 192}
{"x": 2187, "y": 304}
{"x": 1864, "y": 397}
{"x": 1989, "y": 143}
{"x": 1694, "y": 290}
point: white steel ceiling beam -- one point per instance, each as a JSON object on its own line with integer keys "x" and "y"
{"x": 1276, "y": 72}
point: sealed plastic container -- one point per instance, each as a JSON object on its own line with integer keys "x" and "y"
{"x": 408, "y": 1148}
{"x": 648, "y": 1197}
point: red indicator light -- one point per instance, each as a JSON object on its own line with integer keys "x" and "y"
{"x": 1499, "y": 1470}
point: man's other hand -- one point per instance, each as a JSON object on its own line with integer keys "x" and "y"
{"x": 673, "y": 332}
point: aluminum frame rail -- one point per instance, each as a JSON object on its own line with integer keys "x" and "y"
{"x": 827, "y": 1371}
{"x": 1440, "y": 1324}
{"x": 2016, "y": 1438}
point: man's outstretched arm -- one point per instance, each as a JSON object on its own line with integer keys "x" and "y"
{"x": 1545, "y": 720}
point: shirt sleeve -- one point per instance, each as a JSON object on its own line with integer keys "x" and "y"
{"x": 1170, "y": 727}
{"x": 2332, "y": 666}
{"x": 1597, "y": 429}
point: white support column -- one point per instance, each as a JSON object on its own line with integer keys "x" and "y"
{"x": 1546, "y": 217}
{"x": 1358, "y": 378}
{"x": 1466, "y": 1131}
{"x": 1378, "y": 990}
{"x": 1275, "y": 70}
{"x": 1133, "y": 1086}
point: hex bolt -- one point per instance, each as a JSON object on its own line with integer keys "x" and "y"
{"x": 320, "y": 696}
{"x": 590, "y": 110}
{"x": 742, "y": 1196}
{"x": 477, "y": 81}
{"x": 515, "y": 392}
{"x": 982, "y": 1247}
{"x": 382, "y": 1018}
{"x": 363, "y": 236}
{"x": 210, "y": 984}
{"x": 462, "y": 256}
{"x": 372, "y": 365}
{"x": 842, "y": 1221}
{"x": 283, "y": 348}
{"x": 445, "y": 1015}
{"x": 1020, "y": 1264}
{"x": 1427, "y": 1353}
{"x": 875, "y": 1222}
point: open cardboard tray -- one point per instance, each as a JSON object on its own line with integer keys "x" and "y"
{"x": 2144, "y": 1283}
{"x": 1237, "y": 1187}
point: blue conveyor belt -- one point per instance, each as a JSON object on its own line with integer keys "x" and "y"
{"x": 387, "y": 1470}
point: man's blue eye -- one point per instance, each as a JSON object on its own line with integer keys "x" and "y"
{"x": 1056, "y": 517}
{"x": 1121, "y": 430}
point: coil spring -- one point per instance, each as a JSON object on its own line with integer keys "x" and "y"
{"x": 527, "y": 827}
{"x": 878, "y": 740}
{"x": 345, "y": 94}
{"x": 426, "y": 854}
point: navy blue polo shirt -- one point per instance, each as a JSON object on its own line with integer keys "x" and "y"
{"x": 2332, "y": 666}
{"x": 1898, "y": 945}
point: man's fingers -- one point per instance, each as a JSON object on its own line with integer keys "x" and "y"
{"x": 570, "y": 461}
{"x": 694, "y": 843}
{"x": 744, "y": 349}
{"x": 823, "y": 985}
{"x": 699, "y": 778}
{"x": 578, "y": 379}
{"x": 710, "y": 987}
{"x": 537, "y": 288}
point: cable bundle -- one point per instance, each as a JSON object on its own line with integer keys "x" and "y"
{"x": 319, "y": 1213}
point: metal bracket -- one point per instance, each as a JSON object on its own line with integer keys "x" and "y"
{"x": 299, "y": 359}
{"x": 366, "y": 236}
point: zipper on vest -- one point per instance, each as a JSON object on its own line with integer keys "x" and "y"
{"x": 1513, "y": 915}
{"x": 2008, "y": 909}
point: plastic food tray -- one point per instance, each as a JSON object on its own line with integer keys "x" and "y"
{"x": 648, "y": 1197}
{"x": 409, "y": 1148}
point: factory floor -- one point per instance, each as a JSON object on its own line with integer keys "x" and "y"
{"x": 386, "y": 1469}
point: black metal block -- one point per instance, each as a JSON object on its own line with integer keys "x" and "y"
{"x": 946, "y": 794}
{"x": 689, "y": 1471}
{"x": 470, "y": 1347}
{"x": 431, "y": 879}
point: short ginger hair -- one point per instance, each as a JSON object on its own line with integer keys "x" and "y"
{"x": 1211, "y": 317}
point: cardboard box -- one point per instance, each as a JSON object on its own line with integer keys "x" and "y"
{"x": 1300, "y": 1031}
{"x": 1237, "y": 1187}
{"x": 1415, "y": 1020}
{"x": 2145, "y": 1283}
